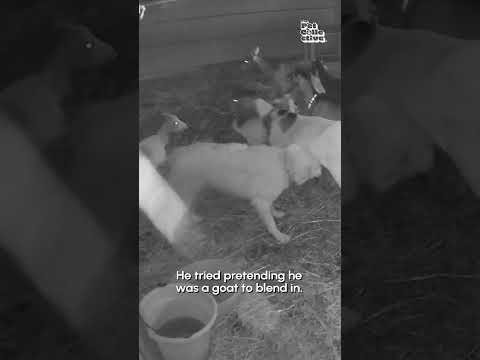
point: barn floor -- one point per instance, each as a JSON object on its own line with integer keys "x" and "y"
{"x": 29, "y": 327}
{"x": 411, "y": 270}
{"x": 275, "y": 327}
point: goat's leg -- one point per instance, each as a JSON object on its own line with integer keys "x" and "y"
{"x": 264, "y": 209}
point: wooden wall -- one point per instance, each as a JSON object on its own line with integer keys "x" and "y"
{"x": 178, "y": 35}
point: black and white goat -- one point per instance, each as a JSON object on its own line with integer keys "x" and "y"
{"x": 321, "y": 91}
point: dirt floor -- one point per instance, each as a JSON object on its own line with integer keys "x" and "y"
{"x": 411, "y": 270}
{"x": 281, "y": 326}
{"x": 29, "y": 327}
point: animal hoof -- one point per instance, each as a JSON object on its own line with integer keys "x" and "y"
{"x": 278, "y": 214}
{"x": 283, "y": 238}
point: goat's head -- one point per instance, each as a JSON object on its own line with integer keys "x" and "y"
{"x": 80, "y": 48}
{"x": 307, "y": 84}
{"x": 172, "y": 124}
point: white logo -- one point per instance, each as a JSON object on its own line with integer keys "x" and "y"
{"x": 310, "y": 34}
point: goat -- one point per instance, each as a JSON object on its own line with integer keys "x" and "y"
{"x": 321, "y": 92}
{"x": 408, "y": 71}
{"x": 261, "y": 123}
{"x": 62, "y": 249}
{"x": 256, "y": 173}
{"x": 276, "y": 77}
{"x": 154, "y": 146}
{"x": 307, "y": 91}
{"x": 36, "y": 100}
{"x": 331, "y": 84}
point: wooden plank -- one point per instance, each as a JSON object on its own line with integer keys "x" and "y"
{"x": 338, "y": 15}
{"x": 186, "y": 9}
{"x": 163, "y": 34}
{"x": 166, "y": 61}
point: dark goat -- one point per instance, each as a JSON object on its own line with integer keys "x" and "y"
{"x": 408, "y": 71}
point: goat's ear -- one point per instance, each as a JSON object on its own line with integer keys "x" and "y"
{"x": 317, "y": 84}
{"x": 296, "y": 164}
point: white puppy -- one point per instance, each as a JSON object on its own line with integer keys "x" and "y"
{"x": 285, "y": 128}
{"x": 319, "y": 137}
{"x": 282, "y": 128}
{"x": 261, "y": 123}
{"x": 256, "y": 173}
{"x": 248, "y": 121}
{"x": 326, "y": 149}
{"x": 154, "y": 146}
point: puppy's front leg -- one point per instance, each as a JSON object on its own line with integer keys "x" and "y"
{"x": 264, "y": 209}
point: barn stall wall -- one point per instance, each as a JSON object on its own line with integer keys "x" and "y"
{"x": 176, "y": 36}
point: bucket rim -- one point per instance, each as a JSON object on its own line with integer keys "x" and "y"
{"x": 208, "y": 326}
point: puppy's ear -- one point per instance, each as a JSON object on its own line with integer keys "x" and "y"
{"x": 292, "y": 107}
{"x": 262, "y": 107}
{"x": 287, "y": 121}
{"x": 297, "y": 164}
{"x": 244, "y": 110}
